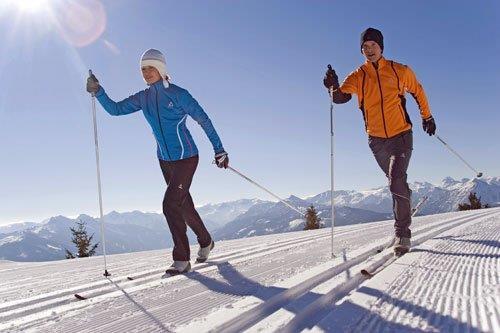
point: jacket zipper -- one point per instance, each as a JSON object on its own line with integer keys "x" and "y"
{"x": 159, "y": 123}
{"x": 381, "y": 103}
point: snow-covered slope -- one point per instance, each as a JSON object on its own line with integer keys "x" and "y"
{"x": 282, "y": 282}
{"x": 14, "y": 227}
{"x": 449, "y": 283}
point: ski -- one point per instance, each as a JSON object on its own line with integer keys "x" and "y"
{"x": 371, "y": 273}
{"x": 81, "y": 298}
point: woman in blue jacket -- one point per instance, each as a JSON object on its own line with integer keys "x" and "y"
{"x": 166, "y": 107}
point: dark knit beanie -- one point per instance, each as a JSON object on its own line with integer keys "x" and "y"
{"x": 372, "y": 35}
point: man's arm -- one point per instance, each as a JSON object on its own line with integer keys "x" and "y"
{"x": 414, "y": 87}
{"x": 339, "y": 97}
{"x": 344, "y": 93}
{"x": 417, "y": 91}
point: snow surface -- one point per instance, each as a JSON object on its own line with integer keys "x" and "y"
{"x": 289, "y": 282}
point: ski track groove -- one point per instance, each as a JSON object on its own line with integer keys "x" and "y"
{"x": 121, "y": 268}
{"x": 439, "y": 224}
{"x": 301, "y": 322}
{"x": 247, "y": 319}
{"x": 406, "y": 290}
{"x": 167, "y": 308}
{"x": 454, "y": 289}
{"x": 148, "y": 278}
{"x": 245, "y": 252}
{"x": 192, "y": 294}
{"x": 325, "y": 237}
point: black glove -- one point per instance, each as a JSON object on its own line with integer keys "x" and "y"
{"x": 331, "y": 81}
{"x": 222, "y": 160}
{"x": 92, "y": 84}
{"x": 429, "y": 126}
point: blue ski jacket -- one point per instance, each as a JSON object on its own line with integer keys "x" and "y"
{"x": 166, "y": 110}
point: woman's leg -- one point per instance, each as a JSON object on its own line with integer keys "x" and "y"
{"x": 178, "y": 206}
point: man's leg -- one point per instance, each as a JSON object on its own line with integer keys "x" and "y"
{"x": 393, "y": 157}
{"x": 401, "y": 193}
{"x": 381, "y": 151}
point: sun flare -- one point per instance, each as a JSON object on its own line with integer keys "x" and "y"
{"x": 30, "y": 6}
{"x": 78, "y": 22}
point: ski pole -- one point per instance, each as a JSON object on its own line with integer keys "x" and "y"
{"x": 263, "y": 188}
{"x": 96, "y": 141}
{"x": 331, "y": 163}
{"x": 478, "y": 174}
{"x": 419, "y": 205}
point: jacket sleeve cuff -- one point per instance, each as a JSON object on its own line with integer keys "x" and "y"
{"x": 219, "y": 150}
{"x": 99, "y": 92}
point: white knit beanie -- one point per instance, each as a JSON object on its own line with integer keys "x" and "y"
{"x": 156, "y": 59}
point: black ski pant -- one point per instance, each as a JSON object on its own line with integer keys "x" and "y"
{"x": 178, "y": 206}
{"x": 393, "y": 156}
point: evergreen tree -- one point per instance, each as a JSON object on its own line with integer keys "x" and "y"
{"x": 312, "y": 219}
{"x": 82, "y": 242}
{"x": 474, "y": 203}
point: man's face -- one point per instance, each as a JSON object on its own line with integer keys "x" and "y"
{"x": 150, "y": 74}
{"x": 371, "y": 51}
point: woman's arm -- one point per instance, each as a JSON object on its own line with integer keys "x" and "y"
{"x": 128, "y": 105}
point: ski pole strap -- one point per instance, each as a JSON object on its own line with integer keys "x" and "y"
{"x": 220, "y": 157}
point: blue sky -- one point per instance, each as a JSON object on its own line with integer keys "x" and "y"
{"x": 256, "y": 67}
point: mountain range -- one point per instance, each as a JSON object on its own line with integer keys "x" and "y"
{"x": 139, "y": 231}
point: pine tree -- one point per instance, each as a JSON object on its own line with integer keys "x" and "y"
{"x": 312, "y": 219}
{"x": 82, "y": 242}
{"x": 474, "y": 203}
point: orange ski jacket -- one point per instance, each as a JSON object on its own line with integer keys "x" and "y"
{"x": 381, "y": 96}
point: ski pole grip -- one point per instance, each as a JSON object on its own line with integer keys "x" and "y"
{"x": 90, "y": 74}
{"x": 330, "y": 91}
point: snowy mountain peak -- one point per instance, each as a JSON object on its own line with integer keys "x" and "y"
{"x": 296, "y": 200}
{"x": 448, "y": 181}
{"x": 58, "y": 219}
{"x": 85, "y": 218}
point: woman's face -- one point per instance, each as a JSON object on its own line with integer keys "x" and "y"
{"x": 150, "y": 74}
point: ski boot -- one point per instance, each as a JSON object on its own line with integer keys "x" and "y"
{"x": 203, "y": 253}
{"x": 179, "y": 267}
{"x": 401, "y": 246}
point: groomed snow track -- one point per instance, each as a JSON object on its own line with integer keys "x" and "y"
{"x": 284, "y": 282}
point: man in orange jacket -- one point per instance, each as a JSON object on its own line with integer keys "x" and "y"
{"x": 380, "y": 86}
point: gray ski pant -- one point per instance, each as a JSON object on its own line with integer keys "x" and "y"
{"x": 393, "y": 156}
